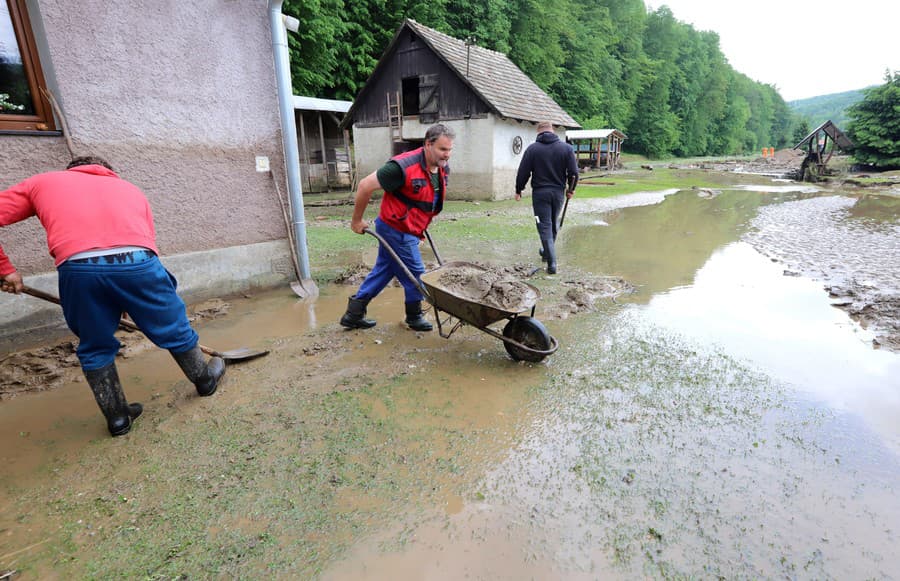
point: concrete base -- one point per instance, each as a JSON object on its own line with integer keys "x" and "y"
{"x": 201, "y": 276}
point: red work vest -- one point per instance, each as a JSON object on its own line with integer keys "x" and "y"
{"x": 411, "y": 208}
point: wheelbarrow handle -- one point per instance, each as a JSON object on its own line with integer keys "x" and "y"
{"x": 399, "y": 262}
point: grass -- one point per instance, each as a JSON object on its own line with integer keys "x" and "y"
{"x": 504, "y": 222}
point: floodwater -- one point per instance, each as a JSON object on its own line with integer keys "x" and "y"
{"x": 728, "y": 421}
{"x": 725, "y": 420}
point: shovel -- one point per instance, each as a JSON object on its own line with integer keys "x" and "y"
{"x": 233, "y": 356}
{"x": 303, "y": 288}
{"x": 562, "y": 218}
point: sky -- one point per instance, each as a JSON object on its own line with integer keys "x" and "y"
{"x": 805, "y": 48}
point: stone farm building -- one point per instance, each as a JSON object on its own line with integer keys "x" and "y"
{"x": 425, "y": 77}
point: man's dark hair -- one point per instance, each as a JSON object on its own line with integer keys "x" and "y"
{"x": 89, "y": 160}
{"x": 435, "y": 131}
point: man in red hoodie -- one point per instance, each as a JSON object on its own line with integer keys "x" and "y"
{"x": 100, "y": 233}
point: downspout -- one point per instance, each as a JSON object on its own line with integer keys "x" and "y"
{"x": 279, "y": 23}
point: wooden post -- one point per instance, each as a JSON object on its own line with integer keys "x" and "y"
{"x": 305, "y": 149}
{"x": 350, "y": 168}
{"x": 324, "y": 153}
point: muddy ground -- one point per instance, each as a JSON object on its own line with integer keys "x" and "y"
{"x": 503, "y": 287}
{"x": 51, "y": 366}
{"x": 385, "y": 454}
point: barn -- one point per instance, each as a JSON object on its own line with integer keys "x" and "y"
{"x": 426, "y": 77}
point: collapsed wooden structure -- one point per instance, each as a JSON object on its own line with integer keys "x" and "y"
{"x": 819, "y": 145}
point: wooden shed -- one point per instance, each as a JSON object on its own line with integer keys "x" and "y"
{"x": 596, "y": 148}
{"x": 324, "y": 146}
{"x": 425, "y": 77}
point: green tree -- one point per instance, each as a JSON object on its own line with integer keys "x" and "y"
{"x": 536, "y": 39}
{"x": 875, "y": 124}
{"x": 313, "y": 48}
{"x": 654, "y": 130}
{"x": 801, "y": 130}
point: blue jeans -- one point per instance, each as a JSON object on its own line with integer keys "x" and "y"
{"x": 94, "y": 293}
{"x": 386, "y": 268}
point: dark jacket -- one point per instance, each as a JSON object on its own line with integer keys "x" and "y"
{"x": 550, "y": 163}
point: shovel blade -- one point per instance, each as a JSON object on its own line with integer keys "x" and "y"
{"x": 242, "y": 354}
{"x": 305, "y": 288}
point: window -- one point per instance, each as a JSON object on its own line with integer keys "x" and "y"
{"x": 22, "y": 104}
{"x": 410, "y": 95}
{"x": 421, "y": 97}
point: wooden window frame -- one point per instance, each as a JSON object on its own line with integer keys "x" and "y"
{"x": 42, "y": 120}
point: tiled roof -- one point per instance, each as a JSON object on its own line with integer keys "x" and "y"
{"x": 500, "y": 83}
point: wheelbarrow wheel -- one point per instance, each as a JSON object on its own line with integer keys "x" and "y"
{"x": 529, "y": 332}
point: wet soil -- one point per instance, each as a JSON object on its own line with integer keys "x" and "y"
{"x": 491, "y": 287}
{"x": 635, "y": 451}
{"x": 784, "y": 163}
{"x": 50, "y": 366}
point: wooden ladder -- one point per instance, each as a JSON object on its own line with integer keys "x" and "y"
{"x": 395, "y": 117}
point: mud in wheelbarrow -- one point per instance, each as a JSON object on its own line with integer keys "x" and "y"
{"x": 524, "y": 337}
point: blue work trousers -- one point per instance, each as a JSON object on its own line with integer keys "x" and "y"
{"x": 95, "y": 292}
{"x": 386, "y": 268}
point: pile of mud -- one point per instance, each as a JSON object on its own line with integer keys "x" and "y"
{"x": 486, "y": 286}
{"x": 784, "y": 163}
{"x": 582, "y": 295}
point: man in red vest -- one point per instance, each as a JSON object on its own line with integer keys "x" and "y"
{"x": 414, "y": 185}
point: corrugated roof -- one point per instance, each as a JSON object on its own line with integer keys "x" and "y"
{"x": 592, "y": 133}
{"x": 499, "y": 82}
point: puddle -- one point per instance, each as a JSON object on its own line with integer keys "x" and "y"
{"x": 786, "y": 326}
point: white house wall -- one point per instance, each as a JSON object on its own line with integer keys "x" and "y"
{"x": 506, "y": 162}
{"x": 471, "y": 163}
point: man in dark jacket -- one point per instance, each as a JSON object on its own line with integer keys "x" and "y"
{"x": 551, "y": 166}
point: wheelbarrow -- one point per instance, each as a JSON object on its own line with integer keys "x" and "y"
{"x": 524, "y": 337}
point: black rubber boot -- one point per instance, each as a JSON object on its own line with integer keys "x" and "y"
{"x": 205, "y": 375}
{"x": 543, "y": 256}
{"x": 550, "y": 255}
{"x": 415, "y": 319}
{"x": 110, "y": 398}
{"x": 355, "y": 317}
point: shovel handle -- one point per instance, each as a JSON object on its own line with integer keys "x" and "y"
{"x": 123, "y": 323}
{"x": 434, "y": 248}
{"x": 563, "y": 217}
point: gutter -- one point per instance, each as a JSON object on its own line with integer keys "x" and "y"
{"x": 279, "y": 23}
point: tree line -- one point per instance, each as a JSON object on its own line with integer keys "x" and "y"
{"x": 608, "y": 63}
